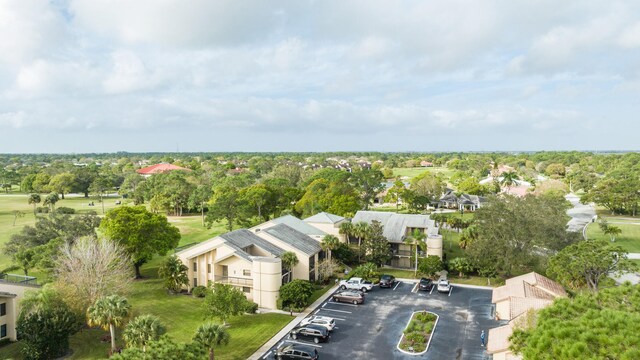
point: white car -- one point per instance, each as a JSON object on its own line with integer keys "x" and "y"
{"x": 324, "y": 321}
{"x": 444, "y": 286}
{"x": 356, "y": 283}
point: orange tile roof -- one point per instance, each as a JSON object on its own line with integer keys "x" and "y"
{"x": 160, "y": 168}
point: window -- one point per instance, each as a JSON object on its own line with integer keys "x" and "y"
{"x": 195, "y": 282}
{"x": 246, "y": 289}
{"x": 246, "y": 272}
{"x": 3, "y": 331}
{"x": 3, "y": 309}
{"x": 195, "y": 266}
{"x": 209, "y": 268}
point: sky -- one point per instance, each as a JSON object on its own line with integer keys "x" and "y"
{"x": 81, "y": 76}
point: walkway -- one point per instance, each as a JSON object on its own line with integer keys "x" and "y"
{"x": 581, "y": 214}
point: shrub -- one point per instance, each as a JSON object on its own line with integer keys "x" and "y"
{"x": 252, "y": 307}
{"x": 296, "y": 293}
{"x": 366, "y": 271}
{"x": 199, "y": 291}
{"x": 42, "y": 210}
{"x": 65, "y": 210}
{"x": 414, "y": 337}
{"x": 425, "y": 317}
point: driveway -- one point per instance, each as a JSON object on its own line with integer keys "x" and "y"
{"x": 372, "y": 330}
{"x": 580, "y": 213}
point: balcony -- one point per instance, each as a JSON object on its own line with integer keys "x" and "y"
{"x": 408, "y": 253}
{"x": 233, "y": 280}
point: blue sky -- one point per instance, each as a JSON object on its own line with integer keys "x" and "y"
{"x": 166, "y": 75}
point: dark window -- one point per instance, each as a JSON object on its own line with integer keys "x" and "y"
{"x": 195, "y": 282}
{"x": 3, "y": 331}
{"x": 3, "y": 309}
{"x": 209, "y": 268}
{"x": 246, "y": 272}
{"x": 195, "y": 266}
{"x": 246, "y": 289}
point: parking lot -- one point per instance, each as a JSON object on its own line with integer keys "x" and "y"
{"x": 372, "y": 330}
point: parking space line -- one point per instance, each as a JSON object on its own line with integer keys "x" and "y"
{"x": 415, "y": 288}
{"x": 399, "y": 282}
{"x": 450, "y": 290}
{"x": 342, "y": 311}
{"x": 325, "y": 304}
{"x": 266, "y": 355}
{"x": 304, "y": 343}
{"x": 431, "y": 292}
{"x": 343, "y": 304}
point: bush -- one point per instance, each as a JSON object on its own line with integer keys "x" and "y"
{"x": 65, "y": 210}
{"x": 425, "y": 317}
{"x": 367, "y": 271}
{"x": 345, "y": 254}
{"x": 42, "y": 210}
{"x": 252, "y": 307}
{"x": 199, "y": 291}
{"x": 296, "y": 293}
{"x": 44, "y": 333}
{"x": 415, "y": 337}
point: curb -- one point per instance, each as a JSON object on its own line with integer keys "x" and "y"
{"x": 430, "y": 335}
{"x": 452, "y": 283}
{"x": 293, "y": 323}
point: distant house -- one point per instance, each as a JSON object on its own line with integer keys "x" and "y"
{"x": 159, "y": 168}
{"x": 12, "y": 289}
{"x": 463, "y": 202}
{"x": 426, "y": 164}
{"x": 397, "y": 227}
{"x": 529, "y": 292}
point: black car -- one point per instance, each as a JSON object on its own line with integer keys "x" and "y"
{"x": 425, "y": 284}
{"x": 316, "y": 333}
{"x": 387, "y": 281}
{"x": 296, "y": 351}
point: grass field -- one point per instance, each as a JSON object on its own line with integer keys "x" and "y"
{"x": 180, "y": 313}
{"x": 629, "y": 239}
{"x": 413, "y": 172}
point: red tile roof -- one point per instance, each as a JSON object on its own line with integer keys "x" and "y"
{"x": 159, "y": 168}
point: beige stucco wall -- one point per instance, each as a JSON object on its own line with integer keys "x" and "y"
{"x": 333, "y": 229}
{"x": 500, "y": 355}
{"x": 267, "y": 279}
{"x": 13, "y": 306}
{"x": 434, "y": 245}
{"x": 503, "y": 309}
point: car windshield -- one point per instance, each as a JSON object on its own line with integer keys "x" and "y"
{"x": 386, "y": 277}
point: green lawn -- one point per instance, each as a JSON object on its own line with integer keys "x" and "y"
{"x": 469, "y": 280}
{"x": 181, "y": 314}
{"x": 413, "y": 172}
{"x": 319, "y": 292}
{"x": 629, "y": 239}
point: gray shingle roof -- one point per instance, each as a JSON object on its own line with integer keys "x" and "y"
{"x": 294, "y": 238}
{"x": 395, "y": 225}
{"x": 299, "y": 225}
{"x": 324, "y": 218}
{"x": 244, "y": 238}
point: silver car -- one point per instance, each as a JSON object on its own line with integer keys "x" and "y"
{"x": 444, "y": 286}
{"x": 324, "y": 321}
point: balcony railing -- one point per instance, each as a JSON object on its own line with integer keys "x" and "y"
{"x": 18, "y": 279}
{"x": 233, "y": 280}
{"x": 408, "y": 253}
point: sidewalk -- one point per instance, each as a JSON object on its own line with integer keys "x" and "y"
{"x": 294, "y": 322}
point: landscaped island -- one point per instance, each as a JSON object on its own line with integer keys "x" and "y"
{"x": 417, "y": 335}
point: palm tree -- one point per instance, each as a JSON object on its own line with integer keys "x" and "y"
{"x": 346, "y": 229}
{"x": 469, "y": 235}
{"x": 174, "y": 273}
{"x": 143, "y": 329}
{"x": 417, "y": 239}
{"x": 360, "y": 230}
{"x": 208, "y": 335}
{"x": 289, "y": 260}
{"x": 35, "y": 200}
{"x": 613, "y": 231}
{"x": 509, "y": 179}
{"x": 51, "y": 200}
{"x": 109, "y": 312}
{"x": 329, "y": 243}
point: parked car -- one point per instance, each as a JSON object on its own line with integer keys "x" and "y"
{"x": 353, "y": 297}
{"x": 444, "y": 286}
{"x": 387, "y": 281}
{"x": 296, "y": 351}
{"x": 425, "y": 284}
{"x": 324, "y": 321}
{"x": 316, "y": 333}
{"x": 356, "y": 283}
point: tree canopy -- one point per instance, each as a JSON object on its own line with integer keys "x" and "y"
{"x": 142, "y": 233}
